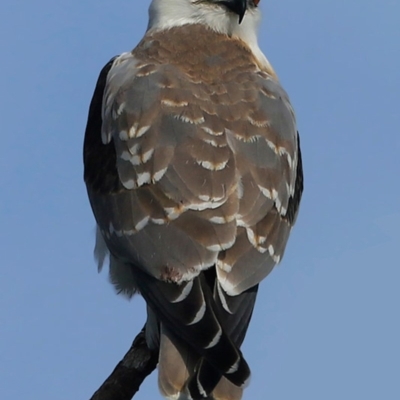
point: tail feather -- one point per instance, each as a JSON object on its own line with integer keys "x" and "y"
{"x": 201, "y": 329}
{"x": 190, "y": 315}
{"x": 234, "y": 313}
{"x": 176, "y": 365}
{"x": 204, "y": 380}
{"x": 226, "y": 390}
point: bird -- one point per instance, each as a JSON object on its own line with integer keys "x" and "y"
{"x": 194, "y": 174}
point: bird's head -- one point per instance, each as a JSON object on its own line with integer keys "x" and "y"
{"x": 225, "y": 16}
{"x": 238, "y": 7}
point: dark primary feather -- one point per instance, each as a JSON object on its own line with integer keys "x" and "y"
{"x": 294, "y": 201}
{"x": 224, "y": 354}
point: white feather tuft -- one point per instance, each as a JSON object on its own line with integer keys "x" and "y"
{"x": 100, "y": 250}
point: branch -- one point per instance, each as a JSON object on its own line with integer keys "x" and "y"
{"x": 131, "y": 371}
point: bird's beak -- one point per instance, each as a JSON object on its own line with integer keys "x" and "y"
{"x": 237, "y": 6}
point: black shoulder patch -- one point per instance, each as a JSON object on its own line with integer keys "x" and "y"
{"x": 100, "y": 170}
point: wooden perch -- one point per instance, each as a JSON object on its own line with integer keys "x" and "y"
{"x": 131, "y": 371}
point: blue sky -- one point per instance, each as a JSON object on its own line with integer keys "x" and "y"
{"x": 326, "y": 324}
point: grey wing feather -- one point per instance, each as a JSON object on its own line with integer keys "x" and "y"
{"x": 268, "y": 162}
